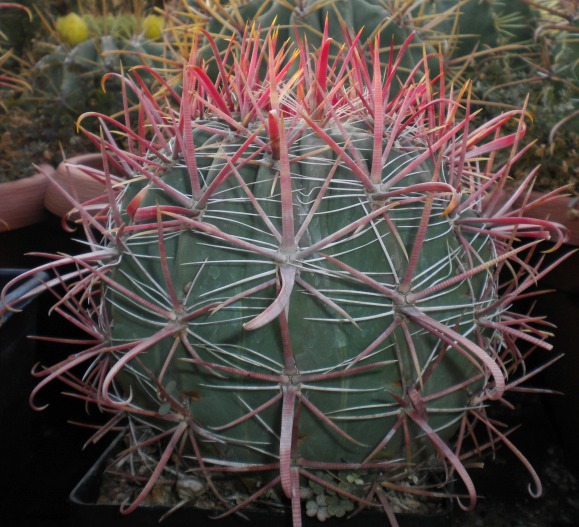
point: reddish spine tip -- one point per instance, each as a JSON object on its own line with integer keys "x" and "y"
{"x": 273, "y": 129}
{"x": 135, "y": 203}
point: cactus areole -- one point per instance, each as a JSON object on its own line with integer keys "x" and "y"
{"x": 302, "y": 274}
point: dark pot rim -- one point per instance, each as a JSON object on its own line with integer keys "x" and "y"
{"x": 85, "y": 511}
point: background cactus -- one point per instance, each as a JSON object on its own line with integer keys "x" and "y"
{"x": 90, "y": 46}
{"x": 52, "y": 81}
{"x": 508, "y": 48}
{"x": 545, "y": 72}
{"x": 84, "y": 46}
{"x": 460, "y": 29}
{"x": 393, "y": 21}
{"x": 484, "y": 24}
{"x": 305, "y": 260}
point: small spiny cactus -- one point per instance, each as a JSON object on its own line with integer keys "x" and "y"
{"x": 91, "y": 46}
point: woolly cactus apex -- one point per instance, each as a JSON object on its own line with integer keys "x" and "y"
{"x": 72, "y": 29}
{"x": 303, "y": 275}
{"x": 153, "y": 26}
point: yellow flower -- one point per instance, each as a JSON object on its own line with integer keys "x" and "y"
{"x": 153, "y": 27}
{"x": 72, "y": 29}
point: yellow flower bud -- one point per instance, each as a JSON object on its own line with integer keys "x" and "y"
{"x": 153, "y": 27}
{"x": 72, "y": 29}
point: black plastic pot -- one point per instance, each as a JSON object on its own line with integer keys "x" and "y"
{"x": 5, "y": 276}
{"x": 86, "y": 513}
{"x": 41, "y": 455}
{"x": 16, "y": 350}
{"x": 17, "y": 359}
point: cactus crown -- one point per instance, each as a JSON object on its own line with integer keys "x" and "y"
{"x": 302, "y": 274}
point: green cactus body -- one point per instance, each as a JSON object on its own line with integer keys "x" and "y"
{"x": 479, "y": 25}
{"x": 206, "y": 272}
{"x": 566, "y": 54}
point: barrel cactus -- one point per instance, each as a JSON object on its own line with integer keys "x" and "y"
{"x": 300, "y": 282}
